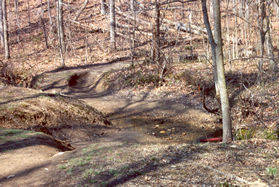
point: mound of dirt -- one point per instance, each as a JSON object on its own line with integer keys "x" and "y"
{"x": 62, "y": 117}
{"x": 12, "y": 139}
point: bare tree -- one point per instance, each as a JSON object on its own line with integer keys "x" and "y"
{"x": 81, "y": 9}
{"x": 103, "y": 7}
{"x": 132, "y": 36}
{"x": 270, "y": 48}
{"x": 41, "y": 15}
{"x": 1, "y": 25}
{"x": 212, "y": 44}
{"x": 156, "y": 34}
{"x": 49, "y": 13}
{"x": 60, "y": 29}
{"x": 217, "y": 50}
{"x": 17, "y": 20}
{"x": 5, "y": 30}
{"x": 29, "y": 12}
{"x": 112, "y": 24}
{"x": 262, "y": 33}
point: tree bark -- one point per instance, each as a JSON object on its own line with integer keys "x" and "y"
{"x": 1, "y": 25}
{"x": 29, "y": 13}
{"x": 226, "y": 117}
{"x": 156, "y": 35}
{"x": 17, "y": 20}
{"x": 270, "y": 48}
{"x": 103, "y": 7}
{"x": 212, "y": 44}
{"x": 5, "y": 30}
{"x": 262, "y": 33}
{"x": 132, "y": 36}
{"x": 41, "y": 12}
{"x": 112, "y": 24}
{"x": 49, "y": 13}
{"x": 219, "y": 72}
{"x": 60, "y": 31}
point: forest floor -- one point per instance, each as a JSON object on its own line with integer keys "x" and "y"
{"x": 140, "y": 137}
{"x": 99, "y": 122}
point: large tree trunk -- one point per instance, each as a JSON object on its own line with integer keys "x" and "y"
{"x": 60, "y": 29}
{"x": 227, "y": 127}
{"x": 112, "y": 24}
{"x": 5, "y": 30}
{"x": 219, "y": 73}
{"x": 212, "y": 44}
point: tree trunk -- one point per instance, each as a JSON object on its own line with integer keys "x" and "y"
{"x": 1, "y": 25}
{"x": 29, "y": 12}
{"x": 112, "y": 24}
{"x": 49, "y": 13}
{"x": 227, "y": 127}
{"x": 17, "y": 20}
{"x": 270, "y": 48}
{"x": 156, "y": 34}
{"x": 5, "y": 30}
{"x": 212, "y": 44}
{"x": 132, "y": 36}
{"x": 103, "y": 7}
{"x": 60, "y": 29}
{"x": 217, "y": 56}
{"x": 81, "y": 9}
{"x": 262, "y": 33}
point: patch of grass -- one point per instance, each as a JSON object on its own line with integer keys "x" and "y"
{"x": 75, "y": 163}
{"x": 11, "y": 132}
{"x": 270, "y": 135}
{"x": 88, "y": 173}
{"x": 244, "y": 134}
{"x": 62, "y": 166}
{"x": 69, "y": 171}
{"x": 114, "y": 172}
{"x": 15, "y": 134}
{"x": 272, "y": 171}
{"x": 97, "y": 172}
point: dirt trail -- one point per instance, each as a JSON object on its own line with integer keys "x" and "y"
{"x": 139, "y": 118}
{"x": 170, "y": 116}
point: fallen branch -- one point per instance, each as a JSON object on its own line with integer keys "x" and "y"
{"x": 178, "y": 25}
{"x": 88, "y": 26}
